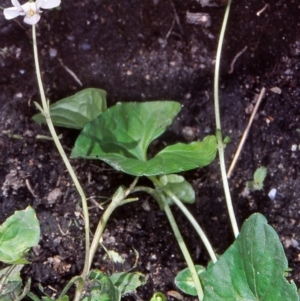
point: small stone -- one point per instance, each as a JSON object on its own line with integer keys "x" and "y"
{"x": 294, "y": 147}
{"x": 272, "y": 194}
{"x": 203, "y": 19}
{"x": 52, "y": 52}
{"x": 53, "y": 196}
{"x": 188, "y": 133}
{"x": 276, "y": 90}
{"x": 295, "y": 243}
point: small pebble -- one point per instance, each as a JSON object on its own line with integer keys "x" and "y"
{"x": 272, "y": 194}
{"x": 188, "y": 133}
{"x": 294, "y": 147}
{"x": 52, "y": 52}
{"x": 295, "y": 243}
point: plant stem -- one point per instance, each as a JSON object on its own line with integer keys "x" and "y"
{"x": 69, "y": 284}
{"x": 190, "y": 217}
{"x": 184, "y": 251}
{"x": 61, "y": 151}
{"x": 218, "y": 125}
{"x": 118, "y": 199}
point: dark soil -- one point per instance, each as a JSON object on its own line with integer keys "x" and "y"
{"x": 148, "y": 50}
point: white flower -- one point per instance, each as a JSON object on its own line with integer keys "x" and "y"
{"x": 31, "y": 10}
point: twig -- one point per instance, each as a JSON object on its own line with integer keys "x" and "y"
{"x": 171, "y": 28}
{"x": 70, "y": 72}
{"x": 176, "y": 17}
{"x": 262, "y": 10}
{"x": 235, "y": 59}
{"x": 30, "y": 188}
{"x": 237, "y": 154}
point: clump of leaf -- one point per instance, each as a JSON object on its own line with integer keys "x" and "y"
{"x": 121, "y": 135}
{"x": 252, "y": 269}
{"x": 258, "y": 179}
{"x": 77, "y": 110}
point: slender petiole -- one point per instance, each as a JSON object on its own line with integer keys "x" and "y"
{"x": 218, "y": 125}
{"x": 46, "y": 112}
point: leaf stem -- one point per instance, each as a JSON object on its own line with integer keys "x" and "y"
{"x": 190, "y": 217}
{"x": 218, "y": 124}
{"x": 118, "y": 199}
{"x": 62, "y": 153}
{"x": 184, "y": 251}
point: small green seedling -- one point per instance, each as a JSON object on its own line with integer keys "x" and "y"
{"x": 158, "y": 296}
{"x": 258, "y": 179}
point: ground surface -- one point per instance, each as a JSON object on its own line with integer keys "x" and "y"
{"x": 149, "y": 50}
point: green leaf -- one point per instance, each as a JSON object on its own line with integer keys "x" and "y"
{"x": 12, "y": 286}
{"x": 258, "y": 179}
{"x": 127, "y": 129}
{"x": 158, "y": 296}
{"x": 101, "y": 288}
{"x": 122, "y": 134}
{"x": 128, "y": 282}
{"x": 77, "y": 110}
{"x": 184, "y": 280}
{"x": 180, "y": 187}
{"x": 252, "y": 269}
{"x": 115, "y": 256}
{"x": 259, "y": 176}
{"x": 18, "y": 233}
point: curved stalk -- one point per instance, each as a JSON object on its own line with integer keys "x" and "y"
{"x": 118, "y": 199}
{"x": 184, "y": 251}
{"x": 190, "y": 217}
{"x": 218, "y": 124}
{"x": 61, "y": 151}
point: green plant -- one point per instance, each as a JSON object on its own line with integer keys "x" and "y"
{"x": 258, "y": 179}
{"x": 18, "y": 234}
{"x": 121, "y": 136}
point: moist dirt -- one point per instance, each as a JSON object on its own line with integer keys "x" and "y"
{"x": 152, "y": 50}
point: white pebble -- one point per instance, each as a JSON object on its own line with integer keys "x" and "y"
{"x": 294, "y": 147}
{"x": 272, "y": 194}
{"x": 295, "y": 243}
{"x": 52, "y": 52}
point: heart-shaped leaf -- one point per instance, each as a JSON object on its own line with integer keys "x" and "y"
{"x": 252, "y": 269}
{"x": 18, "y": 233}
{"x": 122, "y": 134}
{"x": 77, "y": 110}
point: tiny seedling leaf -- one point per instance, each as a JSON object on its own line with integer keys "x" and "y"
{"x": 101, "y": 288}
{"x": 77, "y": 110}
{"x": 258, "y": 179}
{"x": 180, "y": 187}
{"x": 158, "y": 296}
{"x": 121, "y": 136}
{"x": 184, "y": 280}
{"x": 115, "y": 256}
{"x": 252, "y": 269}
{"x": 18, "y": 233}
{"x": 128, "y": 282}
{"x": 260, "y": 175}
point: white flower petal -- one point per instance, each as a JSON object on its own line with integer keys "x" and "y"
{"x": 16, "y": 3}
{"x": 11, "y": 12}
{"x": 39, "y": 3}
{"x": 29, "y": 8}
{"x": 49, "y": 3}
{"x": 32, "y": 20}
